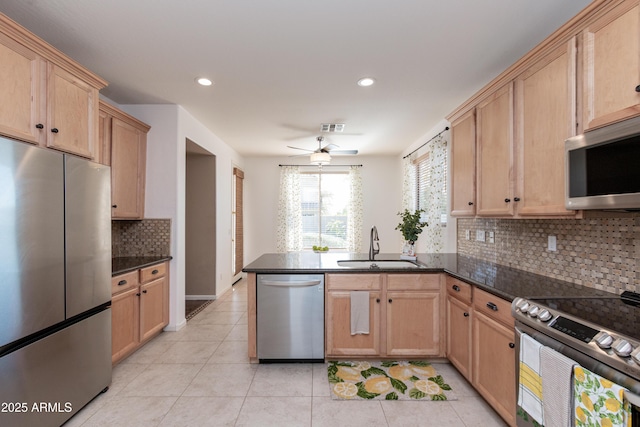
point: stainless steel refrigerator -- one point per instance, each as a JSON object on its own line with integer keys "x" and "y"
{"x": 55, "y": 284}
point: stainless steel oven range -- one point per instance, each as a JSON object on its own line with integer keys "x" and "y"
{"x": 600, "y": 334}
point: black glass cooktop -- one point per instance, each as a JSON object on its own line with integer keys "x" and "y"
{"x": 616, "y": 314}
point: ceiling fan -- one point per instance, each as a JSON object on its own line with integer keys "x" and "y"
{"x": 322, "y": 155}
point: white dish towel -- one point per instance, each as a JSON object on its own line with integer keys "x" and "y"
{"x": 556, "y": 371}
{"x": 359, "y": 312}
{"x": 529, "y": 381}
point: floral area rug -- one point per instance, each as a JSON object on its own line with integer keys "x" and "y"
{"x": 387, "y": 380}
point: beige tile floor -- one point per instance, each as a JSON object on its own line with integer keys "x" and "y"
{"x": 201, "y": 376}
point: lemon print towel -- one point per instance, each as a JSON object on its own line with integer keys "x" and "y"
{"x": 598, "y": 402}
{"x": 387, "y": 380}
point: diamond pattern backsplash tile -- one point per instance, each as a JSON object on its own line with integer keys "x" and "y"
{"x": 147, "y": 237}
{"x": 601, "y": 251}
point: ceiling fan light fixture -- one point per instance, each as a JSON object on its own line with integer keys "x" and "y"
{"x": 320, "y": 159}
{"x": 366, "y": 81}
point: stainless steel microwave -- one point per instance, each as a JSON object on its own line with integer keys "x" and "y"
{"x": 603, "y": 168}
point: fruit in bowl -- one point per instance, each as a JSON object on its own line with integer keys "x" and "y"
{"x": 319, "y": 249}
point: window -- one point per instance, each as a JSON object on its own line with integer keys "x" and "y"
{"x": 325, "y": 209}
{"x": 429, "y": 194}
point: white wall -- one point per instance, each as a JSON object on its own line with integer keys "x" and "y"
{"x": 382, "y": 186}
{"x": 171, "y": 125}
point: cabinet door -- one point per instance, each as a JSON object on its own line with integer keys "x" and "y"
{"x": 611, "y": 63}
{"x": 339, "y": 340}
{"x": 153, "y": 301}
{"x": 463, "y": 169}
{"x": 103, "y": 153}
{"x": 20, "y": 92}
{"x": 459, "y": 335}
{"x": 72, "y": 113}
{"x": 495, "y": 154}
{"x": 413, "y": 324}
{"x": 546, "y": 106}
{"x": 128, "y": 151}
{"x": 494, "y": 365}
{"x": 125, "y": 321}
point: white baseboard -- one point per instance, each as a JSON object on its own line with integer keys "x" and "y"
{"x": 202, "y": 297}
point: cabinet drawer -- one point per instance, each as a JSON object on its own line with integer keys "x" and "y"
{"x": 353, "y": 282}
{"x": 124, "y": 282}
{"x": 153, "y": 272}
{"x": 493, "y": 306}
{"x": 413, "y": 282}
{"x": 459, "y": 289}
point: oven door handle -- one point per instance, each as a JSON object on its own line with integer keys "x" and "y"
{"x": 633, "y": 398}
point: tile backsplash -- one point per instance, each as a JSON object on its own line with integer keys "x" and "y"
{"x": 601, "y": 251}
{"x": 147, "y": 237}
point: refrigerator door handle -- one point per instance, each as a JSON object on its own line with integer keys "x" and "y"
{"x": 292, "y": 284}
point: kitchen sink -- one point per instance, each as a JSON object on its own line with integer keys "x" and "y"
{"x": 378, "y": 264}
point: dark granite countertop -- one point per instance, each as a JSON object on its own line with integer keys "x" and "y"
{"x": 126, "y": 264}
{"x": 505, "y": 282}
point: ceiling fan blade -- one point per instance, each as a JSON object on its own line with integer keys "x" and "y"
{"x": 343, "y": 152}
{"x": 330, "y": 147}
{"x": 298, "y": 148}
{"x": 299, "y": 155}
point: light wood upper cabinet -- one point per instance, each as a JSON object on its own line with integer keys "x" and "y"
{"x": 611, "y": 66}
{"x": 463, "y": 169}
{"x": 46, "y": 98}
{"x": 545, "y": 117}
{"x": 72, "y": 113}
{"x": 495, "y": 156}
{"x": 123, "y": 142}
{"x": 20, "y": 95}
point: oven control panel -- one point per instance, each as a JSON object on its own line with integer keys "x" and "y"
{"x": 623, "y": 351}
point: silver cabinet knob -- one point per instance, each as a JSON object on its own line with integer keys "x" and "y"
{"x": 534, "y": 310}
{"x": 622, "y": 347}
{"x": 603, "y": 339}
{"x": 544, "y": 315}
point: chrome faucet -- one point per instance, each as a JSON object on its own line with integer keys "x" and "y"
{"x": 373, "y": 238}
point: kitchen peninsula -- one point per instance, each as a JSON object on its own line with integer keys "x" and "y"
{"x": 445, "y": 306}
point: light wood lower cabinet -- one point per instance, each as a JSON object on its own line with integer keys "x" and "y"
{"x": 139, "y": 308}
{"x": 405, "y": 313}
{"x": 459, "y": 321}
{"x": 494, "y": 355}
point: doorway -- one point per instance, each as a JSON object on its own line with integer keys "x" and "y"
{"x": 200, "y": 226}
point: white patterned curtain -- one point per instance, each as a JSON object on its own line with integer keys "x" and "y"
{"x": 289, "y": 229}
{"x": 354, "y": 225}
{"x": 408, "y": 184}
{"x": 424, "y": 186}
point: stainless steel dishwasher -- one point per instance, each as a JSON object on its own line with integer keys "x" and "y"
{"x": 290, "y": 317}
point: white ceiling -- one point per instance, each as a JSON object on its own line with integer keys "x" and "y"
{"x": 283, "y": 67}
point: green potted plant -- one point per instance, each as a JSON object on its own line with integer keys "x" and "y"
{"x": 410, "y": 227}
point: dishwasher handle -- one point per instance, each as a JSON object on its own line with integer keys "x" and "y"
{"x": 290, "y": 284}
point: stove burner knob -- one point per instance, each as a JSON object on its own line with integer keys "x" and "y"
{"x": 622, "y": 347}
{"x": 603, "y": 339}
{"x": 523, "y": 306}
{"x": 533, "y": 311}
{"x": 636, "y": 355}
{"x": 544, "y": 315}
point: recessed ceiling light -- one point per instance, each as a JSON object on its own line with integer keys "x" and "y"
{"x": 203, "y": 81}
{"x": 366, "y": 81}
